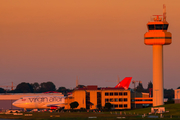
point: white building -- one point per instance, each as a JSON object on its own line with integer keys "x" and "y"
{"x": 177, "y": 96}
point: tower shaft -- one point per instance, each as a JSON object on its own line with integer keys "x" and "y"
{"x": 158, "y": 93}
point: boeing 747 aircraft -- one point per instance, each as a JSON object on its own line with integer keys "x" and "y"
{"x": 40, "y": 102}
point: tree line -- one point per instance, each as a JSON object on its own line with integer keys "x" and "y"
{"x": 50, "y": 86}
{"x": 36, "y": 88}
{"x": 168, "y": 93}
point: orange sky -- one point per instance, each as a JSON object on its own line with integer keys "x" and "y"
{"x": 97, "y": 40}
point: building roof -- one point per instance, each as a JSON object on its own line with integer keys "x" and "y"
{"x": 110, "y": 88}
{"x": 94, "y": 88}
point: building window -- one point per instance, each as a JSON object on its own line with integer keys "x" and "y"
{"x": 120, "y": 99}
{"x": 106, "y": 94}
{"x": 87, "y": 100}
{"x": 158, "y": 26}
{"x": 106, "y": 100}
{"x": 98, "y": 99}
{"x": 111, "y": 100}
{"x": 125, "y": 93}
{"x": 165, "y": 26}
{"x": 111, "y": 94}
{"x": 125, "y": 105}
{"x": 115, "y": 105}
{"x": 151, "y": 27}
{"x": 116, "y": 100}
{"x": 116, "y": 93}
{"x": 120, "y": 93}
{"x": 120, "y": 105}
{"x": 125, "y": 99}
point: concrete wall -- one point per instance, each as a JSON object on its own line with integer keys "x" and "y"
{"x": 93, "y": 99}
{"x": 80, "y": 97}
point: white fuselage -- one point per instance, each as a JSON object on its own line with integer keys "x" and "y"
{"x": 40, "y": 102}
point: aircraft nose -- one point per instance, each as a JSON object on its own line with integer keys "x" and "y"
{"x": 14, "y": 103}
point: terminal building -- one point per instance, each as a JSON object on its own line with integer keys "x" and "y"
{"x": 93, "y": 97}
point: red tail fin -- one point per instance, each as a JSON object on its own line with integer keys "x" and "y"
{"x": 124, "y": 83}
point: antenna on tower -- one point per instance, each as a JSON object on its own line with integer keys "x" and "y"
{"x": 164, "y": 12}
{"x": 77, "y": 83}
{"x": 118, "y": 80}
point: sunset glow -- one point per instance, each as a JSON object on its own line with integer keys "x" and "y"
{"x": 43, "y": 40}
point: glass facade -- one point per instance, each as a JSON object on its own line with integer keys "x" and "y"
{"x": 165, "y": 26}
{"x": 99, "y": 100}
{"x": 157, "y": 37}
{"x": 151, "y": 27}
{"x": 158, "y": 27}
{"x": 87, "y": 100}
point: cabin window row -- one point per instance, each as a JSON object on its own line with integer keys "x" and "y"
{"x": 158, "y": 27}
{"x": 116, "y": 100}
{"x": 115, "y": 93}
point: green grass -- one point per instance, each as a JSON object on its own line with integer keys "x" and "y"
{"x": 174, "y": 111}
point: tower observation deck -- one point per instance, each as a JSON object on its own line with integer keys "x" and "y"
{"x": 157, "y": 36}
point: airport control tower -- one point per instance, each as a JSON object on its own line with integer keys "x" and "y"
{"x": 157, "y": 36}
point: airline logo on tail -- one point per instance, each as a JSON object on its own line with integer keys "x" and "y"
{"x": 124, "y": 83}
